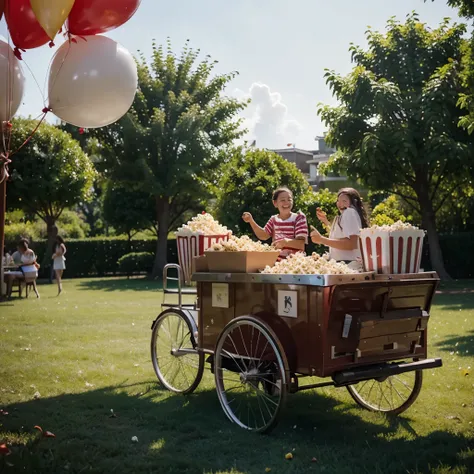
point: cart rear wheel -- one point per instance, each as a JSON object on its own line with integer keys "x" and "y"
{"x": 177, "y": 363}
{"x": 250, "y": 371}
{"x": 391, "y": 395}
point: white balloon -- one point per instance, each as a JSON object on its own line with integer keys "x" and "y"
{"x": 92, "y": 83}
{"x": 12, "y": 82}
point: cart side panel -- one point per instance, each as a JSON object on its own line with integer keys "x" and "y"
{"x": 262, "y": 300}
{"x": 319, "y": 305}
{"x": 388, "y": 321}
{"x": 212, "y": 320}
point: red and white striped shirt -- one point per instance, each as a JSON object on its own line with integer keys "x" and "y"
{"x": 294, "y": 227}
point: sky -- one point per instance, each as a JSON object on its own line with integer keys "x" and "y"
{"x": 279, "y": 47}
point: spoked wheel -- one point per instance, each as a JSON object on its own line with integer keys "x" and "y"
{"x": 390, "y": 395}
{"x": 250, "y": 371}
{"x": 177, "y": 363}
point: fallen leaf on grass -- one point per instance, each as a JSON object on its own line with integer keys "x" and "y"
{"x": 267, "y": 469}
{"x": 289, "y": 456}
{"x": 3, "y": 412}
{"x": 314, "y": 460}
{"x": 44, "y": 434}
{"x": 134, "y": 439}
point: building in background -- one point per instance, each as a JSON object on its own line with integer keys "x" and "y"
{"x": 308, "y": 161}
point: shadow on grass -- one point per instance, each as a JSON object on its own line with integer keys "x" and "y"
{"x": 455, "y": 301}
{"x": 121, "y": 284}
{"x": 463, "y": 344}
{"x": 191, "y": 434}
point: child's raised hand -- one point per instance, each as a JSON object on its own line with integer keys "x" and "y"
{"x": 247, "y": 217}
{"x": 321, "y": 215}
{"x": 315, "y": 236}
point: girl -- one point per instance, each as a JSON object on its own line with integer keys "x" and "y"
{"x": 343, "y": 241}
{"x": 288, "y": 230}
{"x": 28, "y": 268}
{"x": 58, "y": 261}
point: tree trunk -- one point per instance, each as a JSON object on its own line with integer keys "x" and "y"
{"x": 52, "y": 232}
{"x": 162, "y": 217}
{"x": 428, "y": 220}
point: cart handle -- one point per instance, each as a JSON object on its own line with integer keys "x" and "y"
{"x": 167, "y": 267}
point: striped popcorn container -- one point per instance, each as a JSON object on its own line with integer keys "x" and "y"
{"x": 192, "y": 245}
{"x": 393, "y": 252}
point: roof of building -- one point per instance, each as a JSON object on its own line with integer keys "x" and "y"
{"x": 293, "y": 150}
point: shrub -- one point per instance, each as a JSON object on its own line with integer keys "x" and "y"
{"x": 136, "y": 262}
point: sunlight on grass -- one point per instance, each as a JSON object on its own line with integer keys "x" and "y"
{"x": 79, "y": 366}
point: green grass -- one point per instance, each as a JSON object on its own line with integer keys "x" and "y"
{"x": 87, "y": 353}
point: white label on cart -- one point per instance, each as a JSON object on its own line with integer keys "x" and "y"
{"x": 220, "y": 295}
{"x": 288, "y": 303}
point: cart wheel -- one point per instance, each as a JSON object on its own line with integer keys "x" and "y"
{"x": 177, "y": 363}
{"x": 391, "y": 395}
{"x": 251, "y": 374}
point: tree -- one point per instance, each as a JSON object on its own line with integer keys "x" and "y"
{"x": 49, "y": 174}
{"x": 169, "y": 143}
{"x": 128, "y": 210}
{"x": 466, "y": 7}
{"x": 396, "y": 129}
{"x": 247, "y": 183}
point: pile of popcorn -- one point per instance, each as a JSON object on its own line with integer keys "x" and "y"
{"x": 241, "y": 244}
{"x": 300, "y": 264}
{"x": 399, "y": 225}
{"x": 203, "y": 224}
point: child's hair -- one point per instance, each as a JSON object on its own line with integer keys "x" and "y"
{"x": 277, "y": 192}
{"x": 356, "y": 203}
{"x": 23, "y": 244}
{"x": 59, "y": 239}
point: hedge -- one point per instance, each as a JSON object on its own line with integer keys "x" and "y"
{"x": 99, "y": 256}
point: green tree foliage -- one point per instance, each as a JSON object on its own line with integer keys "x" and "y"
{"x": 169, "y": 143}
{"x": 128, "y": 210}
{"x": 248, "y": 181}
{"x": 48, "y": 174}
{"x": 388, "y": 211}
{"x": 396, "y": 128}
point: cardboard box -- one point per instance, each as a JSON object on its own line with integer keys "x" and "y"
{"x": 240, "y": 262}
{"x": 393, "y": 252}
{"x": 200, "y": 264}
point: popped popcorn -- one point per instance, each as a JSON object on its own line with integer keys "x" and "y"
{"x": 203, "y": 224}
{"x": 301, "y": 264}
{"x": 241, "y": 244}
{"x": 399, "y": 225}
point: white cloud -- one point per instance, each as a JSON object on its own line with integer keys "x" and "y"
{"x": 267, "y": 118}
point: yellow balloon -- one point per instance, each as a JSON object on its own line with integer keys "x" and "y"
{"x": 51, "y": 14}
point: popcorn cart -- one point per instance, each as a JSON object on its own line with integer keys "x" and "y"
{"x": 263, "y": 335}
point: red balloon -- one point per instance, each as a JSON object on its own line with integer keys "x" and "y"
{"x": 91, "y": 17}
{"x": 2, "y": 7}
{"x": 25, "y": 31}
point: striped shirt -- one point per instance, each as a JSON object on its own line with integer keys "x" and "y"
{"x": 294, "y": 227}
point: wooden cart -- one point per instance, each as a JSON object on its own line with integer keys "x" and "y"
{"x": 263, "y": 334}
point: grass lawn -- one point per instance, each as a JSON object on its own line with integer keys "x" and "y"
{"x": 66, "y": 362}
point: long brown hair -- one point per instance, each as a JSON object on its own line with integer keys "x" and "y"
{"x": 356, "y": 203}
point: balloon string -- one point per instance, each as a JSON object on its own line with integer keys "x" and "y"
{"x": 45, "y": 111}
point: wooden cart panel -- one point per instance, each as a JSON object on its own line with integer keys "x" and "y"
{"x": 388, "y": 319}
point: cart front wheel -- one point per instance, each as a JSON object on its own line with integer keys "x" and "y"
{"x": 391, "y": 395}
{"x": 250, "y": 370}
{"x": 177, "y": 363}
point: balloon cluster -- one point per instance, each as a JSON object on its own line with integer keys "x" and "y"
{"x": 92, "y": 79}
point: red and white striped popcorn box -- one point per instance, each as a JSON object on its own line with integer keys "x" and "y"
{"x": 392, "y": 252}
{"x": 192, "y": 245}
